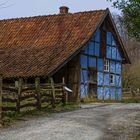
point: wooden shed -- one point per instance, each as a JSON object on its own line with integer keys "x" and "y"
{"x": 84, "y": 48}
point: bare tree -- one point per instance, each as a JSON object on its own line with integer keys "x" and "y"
{"x": 131, "y": 73}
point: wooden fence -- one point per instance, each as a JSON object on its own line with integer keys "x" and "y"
{"x": 129, "y": 93}
{"x": 31, "y": 96}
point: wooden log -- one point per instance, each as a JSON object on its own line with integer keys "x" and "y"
{"x": 0, "y": 100}
{"x": 5, "y": 109}
{"x": 5, "y": 99}
{"x": 27, "y": 97}
{"x": 65, "y": 95}
{"x": 11, "y": 89}
{"x": 19, "y": 94}
{"x": 27, "y": 89}
{"x": 45, "y": 100}
{"x": 37, "y": 86}
{"x": 46, "y": 95}
{"x": 28, "y": 105}
{"x": 53, "y": 92}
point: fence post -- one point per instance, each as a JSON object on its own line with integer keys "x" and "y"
{"x": 0, "y": 100}
{"x": 19, "y": 94}
{"x": 65, "y": 95}
{"x": 37, "y": 86}
{"x": 53, "y": 92}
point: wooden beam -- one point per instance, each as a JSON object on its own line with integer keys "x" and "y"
{"x": 65, "y": 94}
{"x": 37, "y": 86}
{"x": 0, "y": 100}
{"x": 19, "y": 94}
{"x": 53, "y": 92}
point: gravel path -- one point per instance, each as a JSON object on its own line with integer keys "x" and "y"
{"x": 91, "y": 122}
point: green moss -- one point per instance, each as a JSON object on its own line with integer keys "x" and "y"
{"x": 11, "y": 117}
{"x": 138, "y": 137}
{"x": 131, "y": 100}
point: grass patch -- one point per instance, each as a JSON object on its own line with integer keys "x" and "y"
{"x": 11, "y": 117}
{"x": 138, "y": 137}
{"x": 93, "y": 100}
{"x": 130, "y": 100}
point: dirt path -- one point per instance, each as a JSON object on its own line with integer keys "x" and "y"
{"x": 91, "y": 122}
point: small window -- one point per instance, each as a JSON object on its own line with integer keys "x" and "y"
{"x": 111, "y": 79}
{"x": 106, "y": 65}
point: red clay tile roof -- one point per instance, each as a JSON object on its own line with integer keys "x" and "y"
{"x": 36, "y": 46}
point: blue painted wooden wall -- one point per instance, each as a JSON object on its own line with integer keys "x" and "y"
{"x": 108, "y": 80}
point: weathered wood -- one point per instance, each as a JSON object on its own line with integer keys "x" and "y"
{"x": 45, "y": 100}
{"x": 64, "y": 93}
{"x": 6, "y": 99}
{"x": 5, "y": 109}
{"x": 0, "y": 100}
{"x": 27, "y": 97}
{"x": 12, "y": 89}
{"x": 29, "y": 105}
{"x": 53, "y": 92}
{"x": 37, "y": 86}
{"x": 46, "y": 95}
{"x": 27, "y": 89}
{"x": 19, "y": 94}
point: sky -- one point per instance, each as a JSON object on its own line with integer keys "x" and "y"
{"x": 27, "y": 8}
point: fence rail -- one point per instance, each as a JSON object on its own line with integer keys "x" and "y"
{"x": 31, "y": 96}
{"x": 129, "y": 93}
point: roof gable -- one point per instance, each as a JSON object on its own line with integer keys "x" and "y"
{"x": 39, "y": 45}
{"x": 121, "y": 47}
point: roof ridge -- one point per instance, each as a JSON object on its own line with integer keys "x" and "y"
{"x": 53, "y": 15}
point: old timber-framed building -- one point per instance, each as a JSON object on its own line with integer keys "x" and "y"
{"x": 83, "y": 47}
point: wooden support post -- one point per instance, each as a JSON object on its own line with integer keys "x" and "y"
{"x": 0, "y": 100}
{"x": 19, "y": 94}
{"x": 65, "y": 95}
{"x": 37, "y": 86}
{"x": 53, "y": 92}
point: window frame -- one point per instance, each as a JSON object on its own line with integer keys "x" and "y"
{"x": 112, "y": 79}
{"x": 106, "y": 65}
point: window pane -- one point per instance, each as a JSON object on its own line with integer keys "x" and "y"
{"x": 106, "y": 65}
{"x": 83, "y": 61}
{"x": 114, "y": 54}
{"x": 108, "y": 52}
{"x": 109, "y": 38}
{"x": 92, "y": 62}
{"x": 100, "y": 64}
{"x": 112, "y": 79}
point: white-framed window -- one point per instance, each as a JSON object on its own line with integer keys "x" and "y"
{"x": 112, "y": 79}
{"x": 106, "y": 65}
